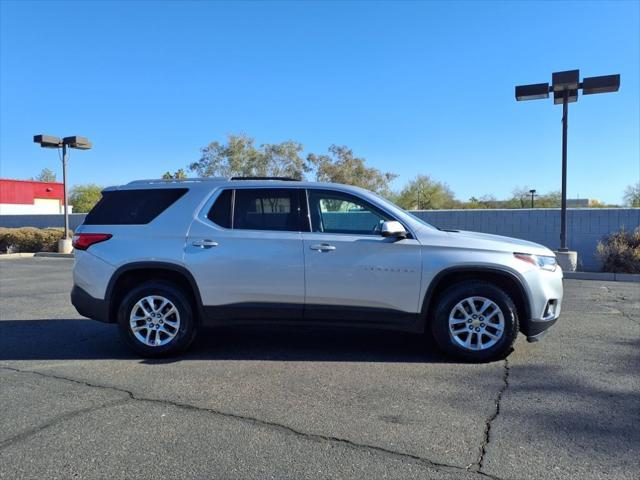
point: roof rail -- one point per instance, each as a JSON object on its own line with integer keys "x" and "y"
{"x": 286, "y": 179}
{"x": 178, "y": 180}
{"x": 209, "y": 179}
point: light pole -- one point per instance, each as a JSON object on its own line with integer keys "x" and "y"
{"x": 565, "y": 86}
{"x": 80, "y": 143}
{"x": 532, "y": 192}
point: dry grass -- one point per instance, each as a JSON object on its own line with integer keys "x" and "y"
{"x": 620, "y": 252}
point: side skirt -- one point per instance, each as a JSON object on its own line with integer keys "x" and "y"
{"x": 312, "y": 315}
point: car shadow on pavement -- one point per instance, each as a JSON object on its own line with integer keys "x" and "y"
{"x": 56, "y": 339}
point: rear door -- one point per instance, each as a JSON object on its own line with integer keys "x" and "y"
{"x": 352, "y": 272}
{"x": 245, "y": 252}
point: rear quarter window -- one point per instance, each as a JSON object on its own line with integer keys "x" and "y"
{"x": 132, "y": 207}
{"x": 220, "y": 212}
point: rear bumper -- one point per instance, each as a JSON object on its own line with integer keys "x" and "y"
{"x": 88, "y": 306}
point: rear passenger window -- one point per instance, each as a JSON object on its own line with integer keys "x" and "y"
{"x": 132, "y": 207}
{"x": 266, "y": 209}
{"x": 220, "y": 212}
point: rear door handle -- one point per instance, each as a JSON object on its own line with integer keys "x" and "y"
{"x": 323, "y": 247}
{"x": 204, "y": 243}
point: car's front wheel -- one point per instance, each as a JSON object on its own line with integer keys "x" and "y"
{"x": 156, "y": 319}
{"x": 475, "y": 321}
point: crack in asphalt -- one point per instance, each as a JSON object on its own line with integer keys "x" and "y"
{"x": 246, "y": 419}
{"x": 57, "y": 420}
{"x": 627, "y": 315}
{"x": 479, "y": 463}
{"x": 611, "y": 300}
{"x": 616, "y": 299}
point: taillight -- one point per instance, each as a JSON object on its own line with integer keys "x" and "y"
{"x": 82, "y": 241}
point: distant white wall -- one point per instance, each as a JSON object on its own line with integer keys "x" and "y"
{"x": 41, "y": 206}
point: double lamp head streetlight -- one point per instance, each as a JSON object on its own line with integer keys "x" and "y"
{"x": 80, "y": 143}
{"x": 565, "y": 86}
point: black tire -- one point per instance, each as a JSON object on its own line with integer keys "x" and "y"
{"x": 457, "y": 293}
{"x": 186, "y": 331}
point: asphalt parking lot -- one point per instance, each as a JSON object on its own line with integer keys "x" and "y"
{"x": 75, "y": 403}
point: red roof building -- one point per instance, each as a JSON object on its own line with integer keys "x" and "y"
{"x": 30, "y": 197}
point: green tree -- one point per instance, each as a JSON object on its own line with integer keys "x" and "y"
{"x": 240, "y": 157}
{"x": 473, "y": 203}
{"x": 84, "y": 197}
{"x": 485, "y": 201}
{"x": 521, "y": 198}
{"x": 177, "y": 175}
{"x": 285, "y": 160}
{"x": 632, "y": 195}
{"x": 341, "y": 166}
{"x": 424, "y": 193}
{"x": 45, "y": 175}
{"x": 549, "y": 200}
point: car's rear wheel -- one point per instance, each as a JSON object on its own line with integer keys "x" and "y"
{"x": 156, "y": 319}
{"x": 475, "y": 321}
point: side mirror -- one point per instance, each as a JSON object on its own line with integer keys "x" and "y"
{"x": 393, "y": 229}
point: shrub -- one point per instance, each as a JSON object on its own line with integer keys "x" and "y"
{"x": 3, "y": 239}
{"x": 620, "y": 252}
{"x": 29, "y": 239}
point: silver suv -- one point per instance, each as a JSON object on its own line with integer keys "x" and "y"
{"x": 163, "y": 258}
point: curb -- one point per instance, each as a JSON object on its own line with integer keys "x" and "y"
{"x": 8, "y": 256}
{"x": 53, "y": 255}
{"x": 603, "y": 276}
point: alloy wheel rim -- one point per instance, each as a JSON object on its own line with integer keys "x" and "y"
{"x": 154, "y": 320}
{"x": 476, "y": 323}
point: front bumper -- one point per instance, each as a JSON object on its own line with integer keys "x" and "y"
{"x": 536, "y": 329}
{"x": 545, "y": 291}
{"x": 88, "y": 306}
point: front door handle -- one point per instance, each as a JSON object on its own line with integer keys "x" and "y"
{"x": 323, "y": 247}
{"x": 205, "y": 243}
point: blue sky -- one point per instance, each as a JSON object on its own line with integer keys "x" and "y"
{"x": 415, "y": 87}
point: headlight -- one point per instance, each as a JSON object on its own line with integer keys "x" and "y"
{"x": 541, "y": 261}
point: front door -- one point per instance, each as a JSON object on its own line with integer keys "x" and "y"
{"x": 352, "y": 272}
{"x": 245, "y": 253}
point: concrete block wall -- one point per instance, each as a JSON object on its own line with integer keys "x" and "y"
{"x": 41, "y": 221}
{"x": 586, "y": 226}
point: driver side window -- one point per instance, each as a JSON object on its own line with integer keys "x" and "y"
{"x": 337, "y": 212}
